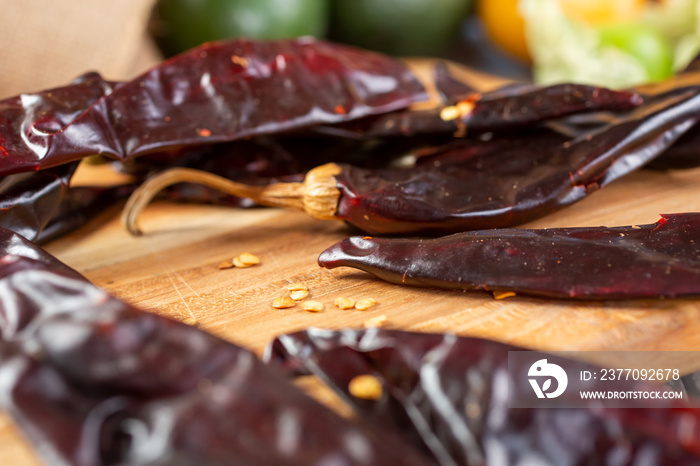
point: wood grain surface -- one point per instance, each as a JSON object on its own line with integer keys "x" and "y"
{"x": 172, "y": 270}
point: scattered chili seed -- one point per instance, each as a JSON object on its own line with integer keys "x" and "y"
{"x": 473, "y": 410}
{"x": 461, "y": 110}
{"x": 377, "y": 321}
{"x": 246, "y": 260}
{"x": 312, "y": 306}
{"x": 240, "y": 61}
{"x": 344, "y": 303}
{"x": 340, "y": 110}
{"x": 225, "y": 265}
{"x": 238, "y": 264}
{"x": 249, "y": 259}
{"x": 298, "y": 295}
{"x": 364, "y": 304}
{"x": 205, "y": 133}
{"x": 283, "y": 303}
{"x": 297, "y": 287}
{"x": 190, "y": 321}
{"x": 449, "y": 113}
{"x": 365, "y": 386}
{"x": 503, "y": 294}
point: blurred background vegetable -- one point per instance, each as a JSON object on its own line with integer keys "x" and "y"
{"x": 617, "y": 43}
{"x": 183, "y": 24}
{"x": 399, "y": 27}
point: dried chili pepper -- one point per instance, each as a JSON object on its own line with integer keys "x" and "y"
{"x": 95, "y": 381}
{"x": 78, "y": 206}
{"x": 514, "y": 106}
{"x": 509, "y": 180}
{"x": 684, "y": 153}
{"x": 477, "y": 183}
{"x": 451, "y": 395}
{"x": 28, "y": 201}
{"x": 654, "y": 260}
{"x": 41, "y": 206}
{"x": 217, "y": 92}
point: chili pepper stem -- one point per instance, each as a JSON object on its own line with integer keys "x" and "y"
{"x": 317, "y": 195}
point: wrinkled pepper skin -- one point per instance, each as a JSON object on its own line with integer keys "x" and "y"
{"x": 94, "y": 381}
{"x": 29, "y": 201}
{"x": 507, "y": 180}
{"x": 451, "y": 394}
{"x": 685, "y": 153}
{"x": 218, "y": 92}
{"x": 41, "y": 206}
{"x": 510, "y": 107}
{"x": 639, "y": 261}
{"x": 28, "y": 122}
{"x": 79, "y": 205}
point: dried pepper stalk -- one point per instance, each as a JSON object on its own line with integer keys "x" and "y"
{"x": 217, "y": 92}
{"x": 94, "y": 381}
{"x": 474, "y": 183}
{"x": 654, "y": 260}
{"x": 268, "y": 159}
{"x": 451, "y": 395}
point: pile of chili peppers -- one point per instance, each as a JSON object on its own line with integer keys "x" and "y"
{"x": 450, "y": 395}
{"x": 332, "y": 130}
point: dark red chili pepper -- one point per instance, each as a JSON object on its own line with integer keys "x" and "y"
{"x": 41, "y": 206}
{"x": 511, "y": 179}
{"x": 449, "y": 87}
{"x": 476, "y": 183}
{"x": 452, "y": 395}
{"x": 684, "y": 153}
{"x": 655, "y": 260}
{"x": 78, "y": 206}
{"x": 28, "y": 201}
{"x": 515, "y": 106}
{"x": 95, "y": 381}
{"x": 217, "y": 92}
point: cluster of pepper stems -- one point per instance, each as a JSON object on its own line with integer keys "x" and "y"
{"x": 322, "y": 128}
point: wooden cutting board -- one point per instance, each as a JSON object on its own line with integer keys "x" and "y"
{"x": 172, "y": 270}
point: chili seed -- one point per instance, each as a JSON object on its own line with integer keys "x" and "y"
{"x": 365, "y": 386}
{"x": 246, "y": 260}
{"x": 238, "y": 264}
{"x": 240, "y": 61}
{"x": 344, "y": 303}
{"x": 298, "y": 295}
{"x": 225, "y": 265}
{"x": 503, "y": 294}
{"x": 449, "y": 113}
{"x": 190, "y": 321}
{"x": 364, "y": 304}
{"x": 283, "y": 303}
{"x": 312, "y": 306}
{"x": 377, "y": 321}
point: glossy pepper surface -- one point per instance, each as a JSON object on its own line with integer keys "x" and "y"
{"x": 95, "y": 381}
{"x": 215, "y": 93}
{"x": 637, "y": 261}
{"x": 451, "y": 395}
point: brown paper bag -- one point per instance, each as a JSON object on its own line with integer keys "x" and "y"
{"x": 48, "y": 43}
